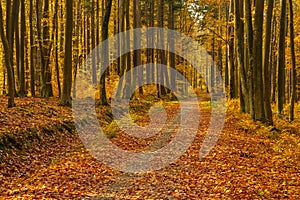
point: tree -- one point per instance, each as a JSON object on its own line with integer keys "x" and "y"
{"x": 160, "y": 73}
{"x": 137, "y": 53}
{"x": 45, "y": 46}
{"x": 8, "y": 62}
{"x": 249, "y": 33}
{"x": 22, "y": 91}
{"x": 56, "y": 39}
{"x": 231, "y": 63}
{"x": 258, "y": 39}
{"x": 293, "y": 69}
{"x": 67, "y": 72}
{"x": 281, "y": 59}
{"x": 171, "y": 43}
{"x": 239, "y": 33}
{"x": 266, "y": 67}
{"x": 32, "y": 49}
{"x": 105, "y": 51}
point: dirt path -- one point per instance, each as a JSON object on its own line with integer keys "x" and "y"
{"x": 241, "y": 166}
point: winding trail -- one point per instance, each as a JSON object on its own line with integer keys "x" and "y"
{"x": 240, "y": 166}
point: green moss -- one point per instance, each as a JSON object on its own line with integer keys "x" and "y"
{"x": 112, "y": 135}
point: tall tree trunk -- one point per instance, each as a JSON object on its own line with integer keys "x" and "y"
{"x": 56, "y": 30}
{"x": 94, "y": 67}
{"x": 258, "y": 62}
{"x": 239, "y": 33}
{"x": 17, "y": 55}
{"x": 274, "y": 58}
{"x": 13, "y": 15}
{"x": 231, "y": 53}
{"x": 293, "y": 69}
{"x": 128, "y": 83}
{"x": 47, "y": 50}
{"x": 8, "y": 63}
{"x": 220, "y": 52}
{"x": 171, "y": 25}
{"x": 137, "y": 43}
{"x": 281, "y": 59}
{"x": 105, "y": 53}
{"x": 122, "y": 42}
{"x": 226, "y": 71}
{"x": 22, "y": 50}
{"x": 39, "y": 33}
{"x": 249, "y": 29}
{"x": 160, "y": 53}
{"x": 32, "y": 49}
{"x": 45, "y": 47}
{"x": 266, "y": 66}
{"x": 67, "y": 81}
{"x": 212, "y": 66}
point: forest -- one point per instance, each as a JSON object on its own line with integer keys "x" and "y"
{"x": 216, "y": 81}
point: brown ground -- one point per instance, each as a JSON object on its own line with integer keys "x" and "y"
{"x": 250, "y": 161}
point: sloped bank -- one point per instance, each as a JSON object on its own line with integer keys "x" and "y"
{"x": 32, "y": 135}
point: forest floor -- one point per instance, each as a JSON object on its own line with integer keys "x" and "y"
{"x": 42, "y": 157}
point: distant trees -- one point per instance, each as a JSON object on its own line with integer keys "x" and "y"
{"x": 43, "y": 45}
{"x": 43, "y": 48}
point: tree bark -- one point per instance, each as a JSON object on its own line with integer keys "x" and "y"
{"x": 67, "y": 75}
{"x": 137, "y": 43}
{"x": 281, "y": 60}
{"x": 249, "y": 30}
{"x": 293, "y": 69}
{"x": 56, "y": 30}
{"x": 32, "y": 49}
{"x": 104, "y": 33}
{"x": 239, "y": 33}
{"x": 266, "y": 66}
{"x": 231, "y": 53}
{"x": 258, "y": 62}
{"x": 22, "y": 91}
{"x": 8, "y": 63}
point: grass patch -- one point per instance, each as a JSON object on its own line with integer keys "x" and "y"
{"x": 112, "y": 135}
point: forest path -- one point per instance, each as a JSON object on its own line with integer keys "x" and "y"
{"x": 240, "y": 166}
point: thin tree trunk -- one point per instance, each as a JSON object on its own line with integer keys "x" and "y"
{"x": 8, "y": 63}
{"x": 17, "y": 55}
{"x": 56, "y": 29}
{"x": 94, "y": 67}
{"x": 293, "y": 69}
{"x": 32, "y": 48}
{"x": 137, "y": 53}
{"x": 274, "y": 58}
{"x": 172, "y": 46}
{"x": 249, "y": 28}
{"x": 231, "y": 53}
{"x": 281, "y": 60}
{"x": 22, "y": 50}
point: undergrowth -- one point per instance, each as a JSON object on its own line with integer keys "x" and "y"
{"x": 284, "y": 135}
